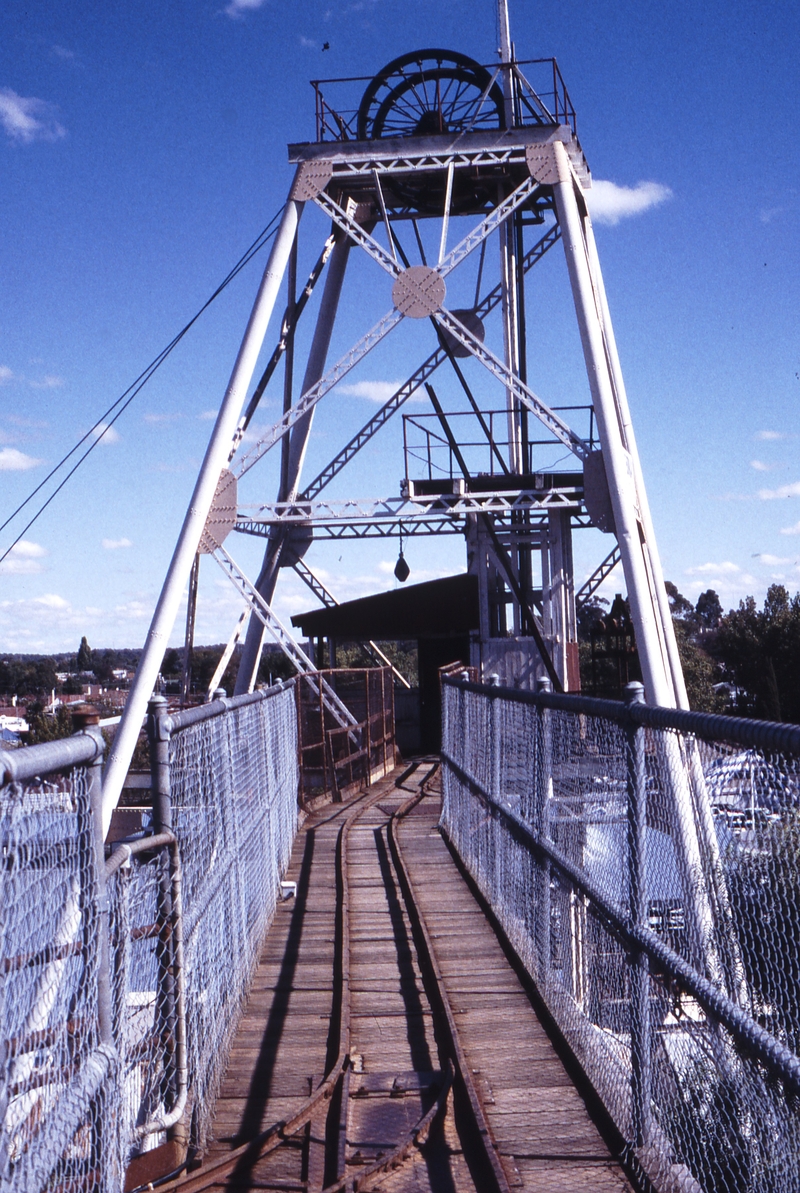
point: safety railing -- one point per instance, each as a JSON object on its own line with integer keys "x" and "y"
{"x": 336, "y": 760}
{"x": 539, "y": 97}
{"x": 122, "y": 978}
{"x": 644, "y": 864}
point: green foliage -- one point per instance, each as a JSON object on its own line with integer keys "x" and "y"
{"x": 45, "y": 726}
{"x": 760, "y": 653}
{"x": 33, "y": 677}
{"x": 84, "y": 656}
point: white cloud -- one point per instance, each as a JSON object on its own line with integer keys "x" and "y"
{"x": 208, "y": 415}
{"x": 5, "y": 374}
{"x": 374, "y": 391}
{"x": 116, "y": 544}
{"x": 237, "y": 7}
{"x": 105, "y": 434}
{"x": 791, "y": 529}
{"x": 760, "y": 466}
{"x": 51, "y": 600}
{"x": 792, "y": 490}
{"x": 161, "y": 418}
{"x": 770, "y": 435}
{"x": 714, "y": 569}
{"x": 23, "y": 559}
{"x": 609, "y": 203}
{"x": 12, "y": 460}
{"x": 28, "y": 119}
{"x": 307, "y": 43}
{"x": 774, "y": 560}
{"x": 49, "y": 381}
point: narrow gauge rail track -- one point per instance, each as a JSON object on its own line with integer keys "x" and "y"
{"x": 358, "y": 1103}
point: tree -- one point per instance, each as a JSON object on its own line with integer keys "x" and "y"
{"x": 708, "y": 610}
{"x": 84, "y": 659}
{"x": 760, "y": 653}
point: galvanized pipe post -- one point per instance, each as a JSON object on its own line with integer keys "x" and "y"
{"x": 541, "y": 822}
{"x": 159, "y": 732}
{"x": 86, "y": 721}
{"x": 158, "y": 739}
{"x": 638, "y": 912}
{"x": 495, "y": 750}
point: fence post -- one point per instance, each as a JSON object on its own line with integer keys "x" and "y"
{"x": 158, "y": 737}
{"x": 369, "y": 729}
{"x": 541, "y": 820}
{"x": 638, "y": 912}
{"x": 495, "y": 752}
{"x": 85, "y": 721}
{"x": 159, "y": 732}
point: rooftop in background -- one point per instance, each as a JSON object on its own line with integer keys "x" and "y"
{"x": 437, "y": 607}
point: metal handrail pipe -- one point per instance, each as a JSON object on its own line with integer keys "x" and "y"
{"x": 749, "y": 1034}
{"x": 176, "y": 721}
{"x": 761, "y": 735}
{"x": 18, "y": 766}
{"x": 119, "y": 857}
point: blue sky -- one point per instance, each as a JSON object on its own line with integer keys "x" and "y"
{"x": 143, "y": 147}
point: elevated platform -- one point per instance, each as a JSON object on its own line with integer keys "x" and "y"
{"x": 542, "y": 1133}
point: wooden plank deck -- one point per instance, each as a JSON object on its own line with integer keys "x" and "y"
{"x": 542, "y": 1124}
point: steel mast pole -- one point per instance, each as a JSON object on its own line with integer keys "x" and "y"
{"x": 653, "y": 651}
{"x": 315, "y": 367}
{"x": 508, "y": 262}
{"x": 215, "y": 460}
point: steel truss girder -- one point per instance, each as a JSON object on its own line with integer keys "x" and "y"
{"x": 600, "y": 573}
{"x": 365, "y": 345}
{"x": 318, "y": 391}
{"x": 445, "y": 505}
{"x": 408, "y": 527}
{"x": 557, "y": 427}
{"x": 418, "y": 378}
{"x": 358, "y": 159}
{"x": 459, "y": 253}
{"x": 272, "y": 623}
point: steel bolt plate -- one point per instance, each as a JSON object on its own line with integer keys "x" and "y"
{"x": 419, "y": 292}
{"x": 222, "y": 515}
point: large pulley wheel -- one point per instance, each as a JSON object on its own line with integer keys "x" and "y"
{"x": 429, "y": 92}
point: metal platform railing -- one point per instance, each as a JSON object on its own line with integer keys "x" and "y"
{"x": 644, "y": 863}
{"x": 122, "y": 978}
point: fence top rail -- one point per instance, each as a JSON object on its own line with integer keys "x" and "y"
{"x": 761, "y": 735}
{"x": 216, "y": 708}
{"x": 30, "y": 762}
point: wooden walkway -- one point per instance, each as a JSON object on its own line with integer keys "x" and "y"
{"x": 544, "y": 1133}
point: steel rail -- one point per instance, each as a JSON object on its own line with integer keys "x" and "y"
{"x": 426, "y": 952}
{"x": 237, "y": 1162}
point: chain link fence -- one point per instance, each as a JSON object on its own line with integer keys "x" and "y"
{"x": 645, "y": 866}
{"x": 122, "y": 979}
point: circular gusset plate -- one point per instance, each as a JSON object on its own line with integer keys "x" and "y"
{"x": 429, "y": 92}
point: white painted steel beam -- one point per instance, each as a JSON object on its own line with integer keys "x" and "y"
{"x": 215, "y": 460}
{"x": 298, "y": 443}
{"x": 293, "y": 651}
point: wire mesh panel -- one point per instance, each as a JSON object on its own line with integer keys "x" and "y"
{"x": 649, "y": 879}
{"x": 59, "y": 1093}
{"x": 170, "y": 928}
{"x": 234, "y": 785}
